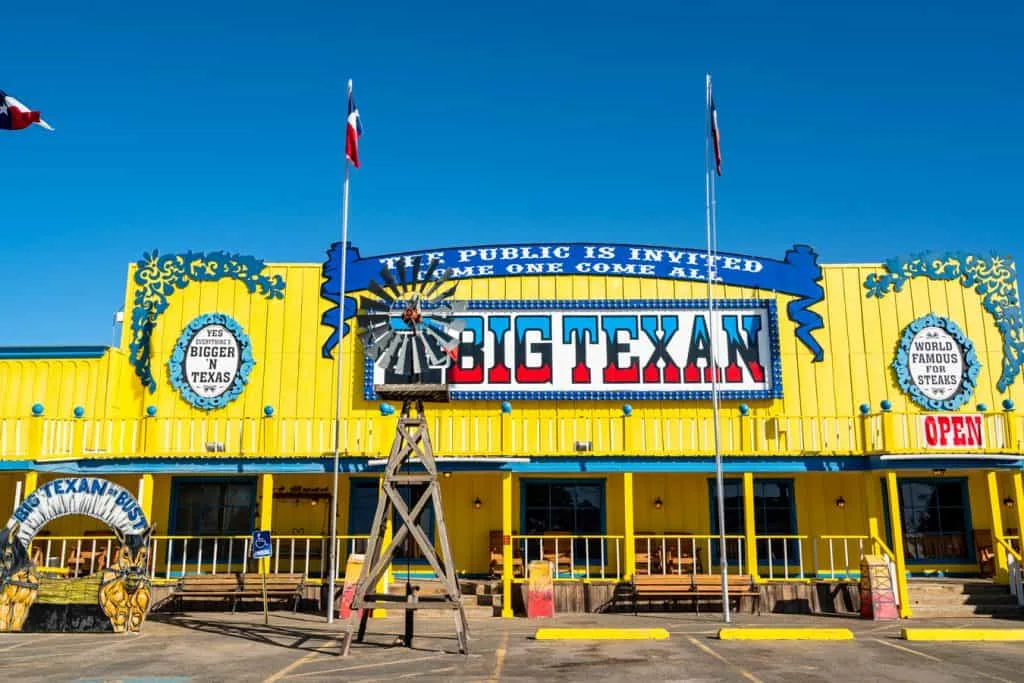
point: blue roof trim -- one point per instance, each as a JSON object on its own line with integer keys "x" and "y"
{"x": 47, "y": 352}
{"x": 538, "y": 465}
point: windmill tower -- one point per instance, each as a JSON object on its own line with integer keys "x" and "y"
{"x": 408, "y": 328}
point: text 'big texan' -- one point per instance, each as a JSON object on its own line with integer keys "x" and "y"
{"x": 611, "y": 349}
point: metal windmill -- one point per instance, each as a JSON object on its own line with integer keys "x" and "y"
{"x": 409, "y": 329}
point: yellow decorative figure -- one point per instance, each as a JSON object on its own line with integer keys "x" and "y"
{"x": 19, "y": 580}
{"x": 125, "y": 586}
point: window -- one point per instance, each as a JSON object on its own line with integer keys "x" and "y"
{"x": 204, "y": 507}
{"x": 564, "y": 507}
{"x": 774, "y": 515}
{"x": 214, "y": 508}
{"x": 935, "y": 519}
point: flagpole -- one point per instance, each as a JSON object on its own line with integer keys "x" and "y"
{"x": 343, "y": 253}
{"x": 712, "y": 246}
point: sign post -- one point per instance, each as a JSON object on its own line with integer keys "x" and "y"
{"x": 262, "y": 548}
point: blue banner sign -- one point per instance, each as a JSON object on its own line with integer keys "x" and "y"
{"x": 797, "y": 274}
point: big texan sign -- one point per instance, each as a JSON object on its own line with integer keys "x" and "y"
{"x": 616, "y": 350}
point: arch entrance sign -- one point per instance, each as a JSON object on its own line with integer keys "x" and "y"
{"x": 120, "y": 590}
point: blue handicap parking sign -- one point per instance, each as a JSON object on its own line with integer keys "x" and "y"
{"x": 261, "y": 545}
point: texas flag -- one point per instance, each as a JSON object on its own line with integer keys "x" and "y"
{"x": 14, "y": 115}
{"x": 353, "y": 129}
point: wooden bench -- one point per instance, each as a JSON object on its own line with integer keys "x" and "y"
{"x": 282, "y": 586}
{"x": 663, "y": 587}
{"x": 205, "y": 586}
{"x": 694, "y": 587}
{"x": 709, "y": 587}
{"x": 234, "y": 587}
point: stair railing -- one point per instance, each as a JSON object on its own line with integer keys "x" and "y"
{"x": 1014, "y": 568}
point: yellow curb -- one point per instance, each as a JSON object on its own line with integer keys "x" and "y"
{"x": 950, "y": 634}
{"x": 785, "y": 634}
{"x": 601, "y": 634}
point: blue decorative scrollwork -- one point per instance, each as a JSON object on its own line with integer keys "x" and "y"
{"x": 176, "y": 364}
{"x": 972, "y": 366}
{"x": 993, "y": 277}
{"x": 159, "y": 276}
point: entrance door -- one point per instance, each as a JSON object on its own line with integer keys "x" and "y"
{"x": 936, "y": 520}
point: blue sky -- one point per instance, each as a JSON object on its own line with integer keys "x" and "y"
{"x": 867, "y": 131}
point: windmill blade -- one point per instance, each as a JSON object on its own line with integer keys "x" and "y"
{"x": 402, "y": 363}
{"x": 438, "y": 347}
{"x": 401, "y": 275}
{"x": 415, "y": 282}
{"x": 372, "y": 326}
{"x": 366, "y": 304}
{"x": 379, "y": 291}
{"x": 440, "y": 281}
{"x": 431, "y": 267}
{"x": 397, "y": 343}
{"x": 448, "y": 292}
{"x": 376, "y": 347}
{"x": 374, "y": 342}
{"x": 390, "y": 280}
{"x": 416, "y": 352}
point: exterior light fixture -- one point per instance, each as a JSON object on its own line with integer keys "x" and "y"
{"x": 1008, "y": 502}
{"x": 477, "y": 503}
{"x": 658, "y": 504}
{"x": 447, "y": 475}
{"x": 840, "y": 502}
{"x": 939, "y": 471}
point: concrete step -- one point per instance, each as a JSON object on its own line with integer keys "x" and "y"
{"x": 963, "y": 599}
{"x": 967, "y": 612}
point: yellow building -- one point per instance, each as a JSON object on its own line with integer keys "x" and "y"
{"x": 862, "y": 406}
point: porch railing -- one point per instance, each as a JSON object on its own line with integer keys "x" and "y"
{"x": 687, "y": 553}
{"x": 479, "y": 435}
{"x": 171, "y": 557}
{"x": 588, "y": 557}
{"x": 837, "y": 557}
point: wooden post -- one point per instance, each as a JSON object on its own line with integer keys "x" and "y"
{"x": 896, "y": 523}
{"x": 266, "y": 608}
{"x": 873, "y": 506}
{"x": 1018, "y": 497}
{"x": 507, "y": 570}
{"x": 1002, "y": 573}
{"x": 750, "y": 525}
{"x": 146, "y": 496}
{"x": 266, "y": 512}
{"x": 628, "y": 525}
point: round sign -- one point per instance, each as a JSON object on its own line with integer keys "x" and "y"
{"x": 936, "y": 363}
{"x": 211, "y": 361}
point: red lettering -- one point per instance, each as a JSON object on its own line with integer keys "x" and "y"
{"x": 499, "y": 374}
{"x": 957, "y": 425}
{"x": 651, "y": 374}
{"x": 974, "y": 430}
{"x": 533, "y": 375}
{"x": 672, "y": 374}
{"x": 944, "y": 429}
{"x": 630, "y": 373}
{"x": 461, "y": 375}
{"x": 931, "y": 432}
{"x": 581, "y": 374}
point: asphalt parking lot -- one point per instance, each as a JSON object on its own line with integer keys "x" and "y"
{"x": 225, "y": 647}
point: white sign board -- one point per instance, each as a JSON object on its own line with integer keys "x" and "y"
{"x": 936, "y": 363}
{"x": 586, "y": 350}
{"x": 956, "y": 431}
